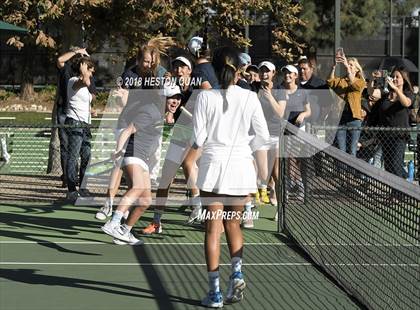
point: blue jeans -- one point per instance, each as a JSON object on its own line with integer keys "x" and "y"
{"x": 347, "y": 139}
{"x": 79, "y": 137}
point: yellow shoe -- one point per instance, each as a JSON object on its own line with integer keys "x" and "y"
{"x": 264, "y": 196}
{"x": 257, "y": 197}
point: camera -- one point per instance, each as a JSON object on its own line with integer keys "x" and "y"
{"x": 381, "y": 82}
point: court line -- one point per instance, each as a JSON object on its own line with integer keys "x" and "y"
{"x": 202, "y": 264}
{"x": 146, "y": 243}
{"x": 223, "y": 243}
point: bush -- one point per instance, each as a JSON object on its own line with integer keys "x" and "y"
{"x": 101, "y": 99}
{"x": 6, "y": 94}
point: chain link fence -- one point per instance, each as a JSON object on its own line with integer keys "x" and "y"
{"x": 396, "y": 150}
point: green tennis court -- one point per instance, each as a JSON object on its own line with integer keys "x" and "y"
{"x": 56, "y": 257}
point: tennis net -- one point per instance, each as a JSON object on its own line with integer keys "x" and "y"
{"x": 358, "y": 223}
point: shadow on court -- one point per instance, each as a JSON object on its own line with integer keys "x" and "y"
{"x": 30, "y": 276}
{"x": 38, "y": 229}
{"x": 304, "y": 278}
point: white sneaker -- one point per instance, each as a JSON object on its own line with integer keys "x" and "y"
{"x": 121, "y": 242}
{"x": 236, "y": 288}
{"x": 213, "y": 300}
{"x": 126, "y": 236}
{"x": 105, "y": 211}
{"x": 195, "y": 213}
{"x": 248, "y": 221}
{"x": 109, "y": 227}
{"x": 6, "y": 157}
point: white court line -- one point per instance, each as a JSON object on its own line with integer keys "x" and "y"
{"x": 146, "y": 243}
{"x": 223, "y": 243}
{"x": 202, "y": 264}
{"x": 7, "y": 117}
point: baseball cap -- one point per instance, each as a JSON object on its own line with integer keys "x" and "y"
{"x": 290, "y": 68}
{"x": 171, "y": 90}
{"x": 195, "y": 44}
{"x": 184, "y": 60}
{"x": 268, "y": 64}
{"x": 244, "y": 59}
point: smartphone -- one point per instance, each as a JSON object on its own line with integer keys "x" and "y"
{"x": 339, "y": 52}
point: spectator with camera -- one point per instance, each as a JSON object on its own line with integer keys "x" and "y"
{"x": 394, "y": 112}
{"x": 78, "y": 119}
{"x": 65, "y": 72}
{"x": 349, "y": 88}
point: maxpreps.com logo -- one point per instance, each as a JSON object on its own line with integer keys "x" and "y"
{"x": 227, "y": 215}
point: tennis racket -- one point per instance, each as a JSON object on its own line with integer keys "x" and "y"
{"x": 100, "y": 167}
{"x": 187, "y": 113}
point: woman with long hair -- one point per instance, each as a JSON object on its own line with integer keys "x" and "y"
{"x": 350, "y": 88}
{"x": 147, "y": 66}
{"x": 222, "y": 120}
{"x": 393, "y": 112}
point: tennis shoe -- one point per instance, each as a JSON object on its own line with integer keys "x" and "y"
{"x": 257, "y": 199}
{"x": 105, "y": 211}
{"x": 126, "y": 235}
{"x": 264, "y": 196}
{"x": 120, "y": 242}
{"x": 213, "y": 300}
{"x": 152, "y": 228}
{"x": 248, "y": 221}
{"x": 109, "y": 227}
{"x": 72, "y": 196}
{"x": 195, "y": 213}
{"x": 236, "y": 288}
{"x": 6, "y": 157}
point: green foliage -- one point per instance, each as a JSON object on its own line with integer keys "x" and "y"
{"x": 48, "y": 93}
{"x": 101, "y": 99}
{"x": 6, "y": 94}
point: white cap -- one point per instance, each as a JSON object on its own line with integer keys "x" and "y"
{"x": 290, "y": 68}
{"x": 244, "y": 59}
{"x": 171, "y": 90}
{"x": 195, "y": 44}
{"x": 267, "y": 64}
{"x": 184, "y": 60}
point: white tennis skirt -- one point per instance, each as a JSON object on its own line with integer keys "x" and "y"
{"x": 236, "y": 177}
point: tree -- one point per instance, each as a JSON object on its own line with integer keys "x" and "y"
{"x": 358, "y": 18}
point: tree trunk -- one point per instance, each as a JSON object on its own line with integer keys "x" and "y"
{"x": 54, "y": 160}
{"x": 27, "y": 79}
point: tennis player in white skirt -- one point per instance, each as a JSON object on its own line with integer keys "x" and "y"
{"x": 222, "y": 121}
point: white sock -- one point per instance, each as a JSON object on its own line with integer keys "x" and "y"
{"x": 236, "y": 264}
{"x": 110, "y": 202}
{"x": 214, "y": 281}
{"x": 263, "y": 185}
{"x": 248, "y": 206}
{"x": 196, "y": 201}
{"x": 117, "y": 216}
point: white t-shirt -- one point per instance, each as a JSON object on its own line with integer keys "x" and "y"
{"x": 79, "y": 102}
{"x": 226, "y": 164}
